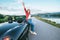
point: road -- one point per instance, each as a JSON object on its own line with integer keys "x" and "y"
{"x": 44, "y": 31}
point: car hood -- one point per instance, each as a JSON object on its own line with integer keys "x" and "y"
{"x": 6, "y": 26}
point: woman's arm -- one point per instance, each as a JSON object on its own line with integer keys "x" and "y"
{"x": 24, "y": 7}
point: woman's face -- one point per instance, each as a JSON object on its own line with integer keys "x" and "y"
{"x": 28, "y": 10}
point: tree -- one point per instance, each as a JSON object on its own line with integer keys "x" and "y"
{"x": 1, "y": 16}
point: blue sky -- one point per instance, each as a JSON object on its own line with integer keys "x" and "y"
{"x": 14, "y": 6}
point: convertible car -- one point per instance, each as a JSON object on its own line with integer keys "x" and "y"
{"x": 17, "y": 30}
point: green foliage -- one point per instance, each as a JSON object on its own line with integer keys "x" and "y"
{"x": 1, "y": 20}
{"x": 5, "y": 18}
{"x": 1, "y": 16}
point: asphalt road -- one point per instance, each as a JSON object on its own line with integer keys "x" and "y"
{"x": 44, "y": 31}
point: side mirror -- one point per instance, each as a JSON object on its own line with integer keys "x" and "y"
{"x": 20, "y": 20}
{"x": 10, "y": 19}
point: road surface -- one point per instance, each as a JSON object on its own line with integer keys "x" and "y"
{"x": 44, "y": 31}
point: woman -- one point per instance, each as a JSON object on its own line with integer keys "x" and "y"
{"x": 28, "y": 19}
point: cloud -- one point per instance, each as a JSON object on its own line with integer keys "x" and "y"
{"x": 16, "y": 8}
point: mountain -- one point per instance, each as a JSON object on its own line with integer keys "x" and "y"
{"x": 49, "y": 15}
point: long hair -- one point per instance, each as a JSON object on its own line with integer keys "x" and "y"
{"x": 28, "y": 10}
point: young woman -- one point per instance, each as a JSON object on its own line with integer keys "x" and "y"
{"x": 28, "y": 19}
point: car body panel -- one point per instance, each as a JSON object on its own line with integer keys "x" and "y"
{"x": 6, "y": 26}
{"x": 13, "y": 30}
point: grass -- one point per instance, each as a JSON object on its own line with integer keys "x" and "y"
{"x": 48, "y": 21}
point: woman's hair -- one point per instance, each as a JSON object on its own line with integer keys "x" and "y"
{"x": 28, "y": 10}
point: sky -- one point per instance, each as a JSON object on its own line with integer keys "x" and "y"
{"x": 14, "y": 7}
